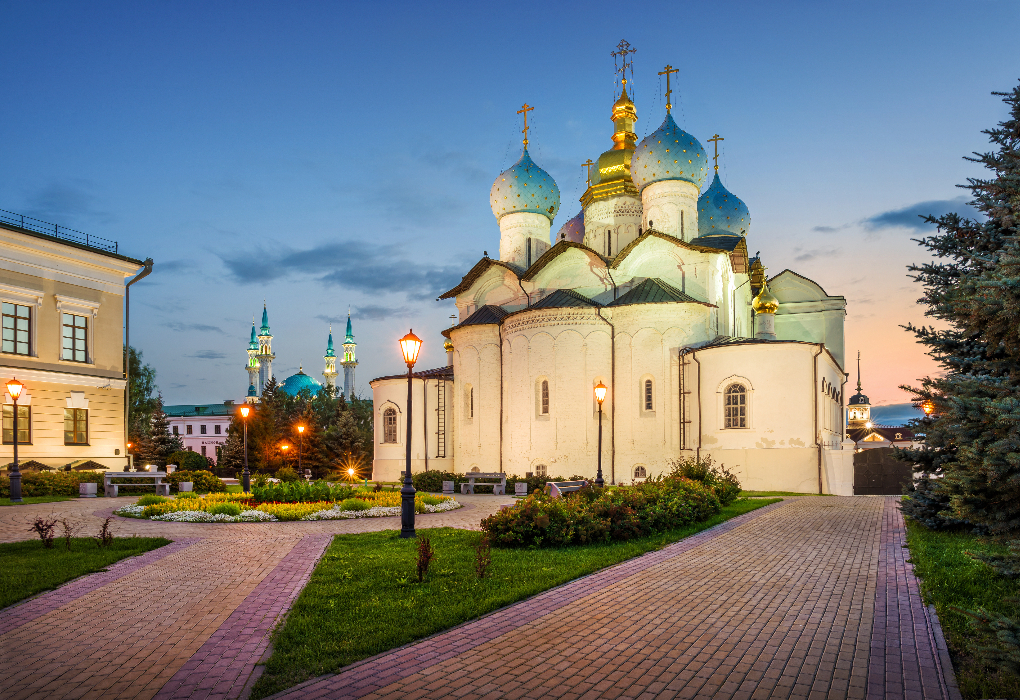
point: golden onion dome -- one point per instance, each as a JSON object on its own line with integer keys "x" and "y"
{"x": 765, "y": 302}
{"x": 448, "y": 345}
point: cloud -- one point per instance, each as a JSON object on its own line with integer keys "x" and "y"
{"x": 200, "y": 327}
{"x": 351, "y": 265}
{"x": 68, "y": 201}
{"x": 910, "y": 217}
{"x": 209, "y": 355}
{"x": 830, "y": 229}
{"x": 805, "y": 255}
{"x": 376, "y": 313}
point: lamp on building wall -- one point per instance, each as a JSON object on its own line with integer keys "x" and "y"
{"x": 14, "y": 388}
{"x": 600, "y": 396}
{"x": 245, "y": 476}
{"x": 410, "y": 344}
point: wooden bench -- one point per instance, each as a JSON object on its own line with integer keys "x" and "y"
{"x": 497, "y": 489}
{"x": 557, "y": 489}
{"x": 162, "y": 489}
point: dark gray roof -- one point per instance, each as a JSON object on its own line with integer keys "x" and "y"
{"x": 564, "y": 298}
{"x": 483, "y": 316}
{"x": 858, "y": 399}
{"x": 445, "y": 372}
{"x": 653, "y": 291}
{"x": 718, "y": 241}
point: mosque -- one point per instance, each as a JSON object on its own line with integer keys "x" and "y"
{"x": 261, "y": 356}
{"x": 649, "y": 291}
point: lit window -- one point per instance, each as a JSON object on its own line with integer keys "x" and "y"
{"x": 16, "y": 320}
{"x": 187, "y": 429}
{"x": 390, "y": 425}
{"x": 216, "y": 429}
{"x": 76, "y": 426}
{"x": 545, "y": 397}
{"x": 24, "y": 425}
{"x": 639, "y": 472}
{"x": 75, "y": 337}
{"x": 648, "y": 395}
{"x": 736, "y": 406}
{"x": 201, "y": 429}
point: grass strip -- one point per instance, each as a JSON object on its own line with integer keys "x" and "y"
{"x": 29, "y": 568}
{"x": 950, "y": 578}
{"x": 364, "y": 597}
{"x": 26, "y": 500}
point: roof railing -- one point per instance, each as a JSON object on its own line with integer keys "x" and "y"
{"x": 57, "y": 231}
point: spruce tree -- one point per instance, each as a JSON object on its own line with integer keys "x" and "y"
{"x": 972, "y": 439}
{"x": 161, "y": 442}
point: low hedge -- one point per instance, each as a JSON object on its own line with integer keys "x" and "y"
{"x": 203, "y": 481}
{"x": 51, "y": 483}
{"x": 300, "y": 492}
{"x": 432, "y": 481}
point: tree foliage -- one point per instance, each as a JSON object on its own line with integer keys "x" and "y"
{"x": 142, "y": 389}
{"x": 973, "y": 287}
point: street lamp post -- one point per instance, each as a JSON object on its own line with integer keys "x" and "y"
{"x": 410, "y": 344}
{"x": 284, "y": 447}
{"x": 600, "y": 396}
{"x": 14, "y": 388}
{"x": 245, "y": 476}
{"x": 301, "y": 444}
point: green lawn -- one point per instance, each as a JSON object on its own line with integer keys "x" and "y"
{"x": 364, "y": 596}
{"x": 949, "y": 578}
{"x": 36, "y": 499}
{"x": 29, "y": 568}
{"x": 774, "y": 494}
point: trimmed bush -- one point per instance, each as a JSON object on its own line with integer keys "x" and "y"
{"x": 224, "y": 509}
{"x": 355, "y": 504}
{"x": 286, "y": 474}
{"x": 204, "y": 481}
{"x": 301, "y": 492}
{"x": 51, "y": 483}
{"x": 150, "y": 500}
{"x": 188, "y": 460}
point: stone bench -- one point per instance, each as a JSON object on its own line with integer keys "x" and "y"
{"x": 111, "y": 489}
{"x": 557, "y": 489}
{"x": 497, "y": 489}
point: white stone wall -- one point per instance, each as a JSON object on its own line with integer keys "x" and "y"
{"x": 515, "y": 230}
{"x": 391, "y": 457}
{"x": 671, "y": 207}
{"x": 807, "y": 313}
{"x": 611, "y": 224}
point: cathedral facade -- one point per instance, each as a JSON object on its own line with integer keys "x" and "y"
{"x": 648, "y": 290}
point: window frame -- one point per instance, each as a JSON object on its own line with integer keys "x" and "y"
{"x": 187, "y": 429}
{"x": 24, "y": 296}
{"x": 642, "y": 475}
{"x": 742, "y": 414}
{"x": 29, "y": 345}
{"x": 646, "y": 395}
{"x": 78, "y": 307}
{"x": 74, "y": 422}
{"x": 3, "y": 416}
{"x": 74, "y": 345}
{"x": 390, "y": 412}
{"x": 217, "y": 429}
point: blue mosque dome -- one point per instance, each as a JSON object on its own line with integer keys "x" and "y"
{"x": 296, "y": 382}
{"x": 573, "y": 230}
{"x": 722, "y": 212}
{"x": 524, "y": 187}
{"x": 669, "y": 153}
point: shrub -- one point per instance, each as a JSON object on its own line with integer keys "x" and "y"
{"x": 224, "y": 509}
{"x": 150, "y": 499}
{"x": 204, "y": 481}
{"x": 926, "y": 502}
{"x": 186, "y": 460}
{"x": 354, "y": 504}
{"x": 44, "y": 528}
{"x": 286, "y": 474}
{"x": 51, "y": 483}
{"x": 301, "y": 492}
{"x": 432, "y": 480}
{"x": 425, "y": 555}
{"x": 259, "y": 479}
{"x": 185, "y": 495}
{"x": 720, "y": 479}
{"x": 483, "y": 557}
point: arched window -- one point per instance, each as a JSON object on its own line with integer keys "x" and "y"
{"x": 390, "y": 425}
{"x": 736, "y": 406}
{"x": 639, "y": 472}
{"x": 649, "y": 405}
{"x": 544, "y": 405}
{"x": 469, "y": 401}
{"x": 540, "y": 470}
{"x": 475, "y": 469}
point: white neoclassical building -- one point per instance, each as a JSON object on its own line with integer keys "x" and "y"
{"x": 649, "y": 290}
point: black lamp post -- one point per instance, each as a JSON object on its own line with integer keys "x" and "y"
{"x": 14, "y": 388}
{"x": 245, "y": 475}
{"x": 600, "y": 396}
{"x": 410, "y": 344}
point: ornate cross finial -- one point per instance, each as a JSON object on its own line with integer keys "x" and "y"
{"x": 524, "y": 110}
{"x": 623, "y": 49}
{"x": 715, "y": 142}
{"x": 587, "y": 164}
{"x": 669, "y": 69}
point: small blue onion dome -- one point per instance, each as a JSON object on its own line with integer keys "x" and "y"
{"x": 669, "y": 153}
{"x": 524, "y": 187}
{"x": 296, "y": 382}
{"x": 721, "y": 211}
{"x": 573, "y": 230}
{"x": 251, "y": 390}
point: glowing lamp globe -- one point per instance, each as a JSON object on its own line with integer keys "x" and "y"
{"x": 14, "y": 388}
{"x": 868, "y": 424}
{"x": 410, "y": 344}
{"x": 928, "y": 407}
{"x": 244, "y": 411}
{"x": 301, "y": 428}
{"x": 350, "y": 472}
{"x": 284, "y": 447}
{"x": 600, "y": 392}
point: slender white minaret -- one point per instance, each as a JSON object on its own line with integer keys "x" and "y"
{"x": 265, "y": 355}
{"x": 329, "y": 374}
{"x": 349, "y": 361}
{"x": 253, "y": 357}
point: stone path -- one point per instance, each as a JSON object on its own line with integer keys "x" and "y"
{"x": 808, "y": 598}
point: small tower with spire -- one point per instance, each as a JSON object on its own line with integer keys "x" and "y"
{"x": 253, "y": 357}
{"x": 349, "y": 361}
{"x": 858, "y": 407}
{"x": 765, "y": 306}
{"x": 329, "y": 374}
{"x": 265, "y": 355}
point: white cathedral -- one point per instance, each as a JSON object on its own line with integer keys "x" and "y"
{"x": 649, "y": 291}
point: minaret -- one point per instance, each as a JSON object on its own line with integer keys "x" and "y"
{"x": 349, "y": 362}
{"x": 859, "y": 407}
{"x": 265, "y": 355}
{"x": 253, "y": 357}
{"x": 765, "y": 306}
{"x": 329, "y": 374}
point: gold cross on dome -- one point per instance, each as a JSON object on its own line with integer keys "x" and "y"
{"x": 669, "y": 69}
{"x": 622, "y": 50}
{"x": 524, "y": 110}
{"x": 715, "y": 142}
{"x": 587, "y": 164}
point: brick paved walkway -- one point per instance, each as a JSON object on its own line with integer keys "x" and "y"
{"x": 808, "y": 598}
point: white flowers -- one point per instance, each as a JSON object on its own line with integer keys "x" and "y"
{"x": 130, "y": 511}
{"x": 444, "y": 506}
{"x": 200, "y": 516}
{"x": 376, "y": 512}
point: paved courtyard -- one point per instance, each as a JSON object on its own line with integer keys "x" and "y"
{"x": 809, "y": 598}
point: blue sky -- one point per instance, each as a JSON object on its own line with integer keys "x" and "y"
{"x": 326, "y": 155}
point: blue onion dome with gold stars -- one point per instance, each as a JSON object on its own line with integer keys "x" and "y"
{"x": 296, "y": 382}
{"x": 722, "y": 212}
{"x": 573, "y": 230}
{"x": 524, "y": 187}
{"x": 669, "y": 153}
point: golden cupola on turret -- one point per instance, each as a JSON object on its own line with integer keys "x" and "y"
{"x": 612, "y": 177}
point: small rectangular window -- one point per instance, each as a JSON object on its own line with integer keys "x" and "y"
{"x": 75, "y": 338}
{"x": 201, "y": 429}
{"x": 187, "y": 429}
{"x": 191, "y": 449}
{"x": 76, "y": 426}
{"x": 176, "y": 431}
{"x": 17, "y": 319}
{"x": 24, "y": 425}
{"x": 203, "y": 450}
{"x": 545, "y": 398}
{"x": 216, "y": 429}
{"x": 648, "y": 395}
